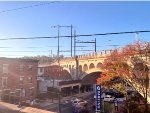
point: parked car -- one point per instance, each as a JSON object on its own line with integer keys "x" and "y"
{"x": 118, "y": 95}
{"x": 111, "y": 92}
{"x": 75, "y": 101}
{"x": 109, "y": 98}
{"x": 73, "y": 98}
{"x": 120, "y": 99}
{"x": 81, "y": 103}
{"x": 78, "y": 104}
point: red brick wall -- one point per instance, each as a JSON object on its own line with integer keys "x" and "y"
{"x": 14, "y": 74}
{"x": 51, "y": 71}
{"x": 56, "y": 72}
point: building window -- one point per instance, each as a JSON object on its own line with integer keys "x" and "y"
{"x": 46, "y": 70}
{"x": 30, "y": 68}
{"x": 21, "y": 80}
{"x": 29, "y": 79}
{"x": 6, "y": 93}
{"x": 31, "y": 91}
{"x": 23, "y": 92}
{"x": 21, "y": 68}
{"x": 4, "y": 81}
{"x": 5, "y": 68}
{"x": 40, "y": 69}
{"x": 17, "y": 93}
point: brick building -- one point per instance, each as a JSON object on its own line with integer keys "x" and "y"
{"x": 18, "y": 79}
{"x": 50, "y": 76}
{"x": 54, "y": 77}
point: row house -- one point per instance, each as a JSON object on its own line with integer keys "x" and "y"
{"x": 18, "y": 79}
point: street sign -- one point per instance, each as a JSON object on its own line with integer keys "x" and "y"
{"x": 98, "y": 97}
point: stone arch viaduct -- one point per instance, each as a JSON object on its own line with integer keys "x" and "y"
{"x": 80, "y": 66}
{"x": 83, "y": 65}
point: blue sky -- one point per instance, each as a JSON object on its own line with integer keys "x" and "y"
{"x": 86, "y": 17}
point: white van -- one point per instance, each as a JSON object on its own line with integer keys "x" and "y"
{"x": 109, "y": 98}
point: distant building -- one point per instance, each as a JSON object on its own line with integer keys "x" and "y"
{"x": 50, "y": 76}
{"x": 18, "y": 79}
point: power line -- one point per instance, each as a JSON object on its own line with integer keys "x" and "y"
{"x": 10, "y": 55}
{"x": 1, "y": 47}
{"x": 65, "y": 51}
{"x": 24, "y": 51}
{"x": 27, "y": 47}
{"x": 26, "y": 38}
{"x": 84, "y": 50}
{"x": 114, "y": 33}
{"x": 25, "y": 7}
{"x": 84, "y": 35}
{"x": 85, "y": 42}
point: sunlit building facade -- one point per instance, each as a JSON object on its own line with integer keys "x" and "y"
{"x": 18, "y": 79}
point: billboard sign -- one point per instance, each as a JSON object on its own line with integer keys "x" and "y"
{"x": 98, "y": 97}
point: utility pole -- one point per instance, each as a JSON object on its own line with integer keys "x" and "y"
{"x": 95, "y": 45}
{"x": 77, "y": 67}
{"x": 59, "y": 107}
{"x": 51, "y": 54}
{"x": 71, "y": 27}
{"x": 58, "y": 26}
{"x": 58, "y": 44}
{"x": 74, "y": 43}
{"x": 59, "y": 102}
{"x": 71, "y": 40}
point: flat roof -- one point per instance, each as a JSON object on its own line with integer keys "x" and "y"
{"x": 69, "y": 82}
{"x": 20, "y": 59}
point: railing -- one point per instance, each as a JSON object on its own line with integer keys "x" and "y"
{"x": 91, "y": 55}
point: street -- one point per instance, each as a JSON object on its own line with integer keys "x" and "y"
{"x": 68, "y": 108}
{"x": 65, "y": 108}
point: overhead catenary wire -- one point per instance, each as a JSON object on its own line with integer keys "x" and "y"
{"x": 30, "y": 6}
{"x": 27, "y": 38}
{"x": 114, "y": 33}
{"x": 82, "y": 35}
{"x": 1, "y": 47}
{"x": 13, "y": 55}
{"x": 24, "y": 51}
{"x": 70, "y": 36}
{"x": 84, "y": 50}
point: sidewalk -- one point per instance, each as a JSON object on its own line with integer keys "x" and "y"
{"x": 23, "y": 109}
